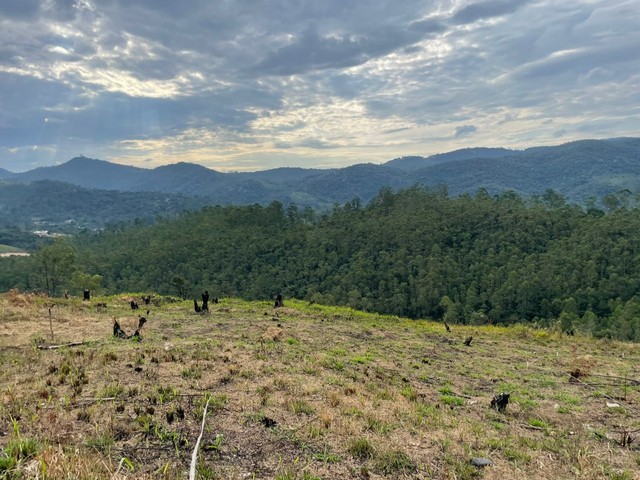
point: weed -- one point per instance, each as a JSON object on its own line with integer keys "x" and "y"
{"x": 395, "y": 462}
{"x": 526, "y": 403}
{"x": 300, "y": 407}
{"x": 426, "y": 415}
{"x": 498, "y": 425}
{"x": 515, "y": 455}
{"x": 409, "y": 393}
{"x": 536, "y": 422}
{"x": 306, "y": 475}
{"x": 7, "y": 465}
{"x": 333, "y": 364}
{"x": 384, "y": 394}
{"x": 376, "y": 425}
{"x": 462, "y": 469}
{"x": 111, "y": 391}
{"x": 446, "y": 390}
{"x": 22, "y": 448}
{"x": 205, "y": 472}
{"x": 568, "y": 399}
{"x": 216, "y": 402}
{"x": 314, "y": 431}
{"x": 363, "y": 359}
{"x": 192, "y": 372}
{"x": 353, "y": 412}
{"x": 166, "y": 394}
{"x": 451, "y": 400}
{"x": 101, "y": 442}
{"x": 361, "y": 448}
{"x": 215, "y": 445}
{"x": 327, "y": 456}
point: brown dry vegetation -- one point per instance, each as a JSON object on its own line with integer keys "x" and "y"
{"x": 304, "y": 392}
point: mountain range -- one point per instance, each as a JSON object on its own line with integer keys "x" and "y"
{"x": 578, "y": 170}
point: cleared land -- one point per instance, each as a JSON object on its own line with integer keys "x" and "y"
{"x": 8, "y": 250}
{"x": 304, "y": 392}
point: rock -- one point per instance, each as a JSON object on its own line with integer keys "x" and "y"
{"x": 481, "y": 462}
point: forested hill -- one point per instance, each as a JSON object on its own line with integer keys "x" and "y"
{"x": 64, "y": 207}
{"x": 578, "y": 170}
{"x": 419, "y": 253}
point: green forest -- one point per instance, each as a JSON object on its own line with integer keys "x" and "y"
{"x": 472, "y": 259}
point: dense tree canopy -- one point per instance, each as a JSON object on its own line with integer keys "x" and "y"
{"x": 418, "y": 253}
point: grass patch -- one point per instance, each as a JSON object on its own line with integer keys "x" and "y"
{"x": 452, "y": 401}
{"x": 361, "y": 448}
{"x": 395, "y": 462}
{"x": 192, "y": 372}
{"x": 300, "y": 407}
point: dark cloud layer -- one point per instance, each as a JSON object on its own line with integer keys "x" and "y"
{"x": 231, "y": 84}
{"x": 463, "y": 130}
{"x": 21, "y": 10}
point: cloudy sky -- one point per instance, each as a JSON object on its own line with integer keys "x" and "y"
{"x": 247, "y": 85}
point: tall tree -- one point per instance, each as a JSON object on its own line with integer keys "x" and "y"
{"x": 54, "y": 264}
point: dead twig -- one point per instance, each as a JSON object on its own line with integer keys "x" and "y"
{"x": 54, "y": 347}
{"x": 194, "y": 455}
{"x": 51, "y": 323}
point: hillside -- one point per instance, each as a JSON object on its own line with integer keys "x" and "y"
{"x": 304, "y": 392}
{"x": 416, "y": 253}
{"x": 65, "y": 207}
{"x": 418, "y": 163}
{"x": 88, "y": 173}
{"x": 577, "y": 170}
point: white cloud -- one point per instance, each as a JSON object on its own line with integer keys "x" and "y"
{"x": 238, "y": 85}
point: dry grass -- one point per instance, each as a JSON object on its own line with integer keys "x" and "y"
{"x": 304, "y": 392}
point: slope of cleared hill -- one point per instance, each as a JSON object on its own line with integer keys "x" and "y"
{"x": 304, "y": 392}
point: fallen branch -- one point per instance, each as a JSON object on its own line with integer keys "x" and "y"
{"x": 532, "y": 427}
{"x": 84, "y": 402}
{"x": 53, "y": 347}
{"x": 51, "y": 323}
{"x": 625, "y": 380}
{"x": 194, "y": 455}
{"x": 573, "y": 379}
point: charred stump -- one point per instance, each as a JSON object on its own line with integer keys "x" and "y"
{"x": 500, "y": 402}
{"x": 278, "y": 301}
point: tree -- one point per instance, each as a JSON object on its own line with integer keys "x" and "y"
{"x": 553, "y": 199}
{"x": 453, "y": 311}
{"x": 86, "y": 280}
{"x": 54, "y": 264}
{"x": 180, "y": 285}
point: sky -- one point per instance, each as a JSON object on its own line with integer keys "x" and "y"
{"x": 249, "y": 85}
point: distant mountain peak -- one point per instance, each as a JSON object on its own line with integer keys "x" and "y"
{"x": 6, "y": 173}
{"x": 576, "y": 169}
{"x": 417, "y": 162}
{"x": 184, "y": 166}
